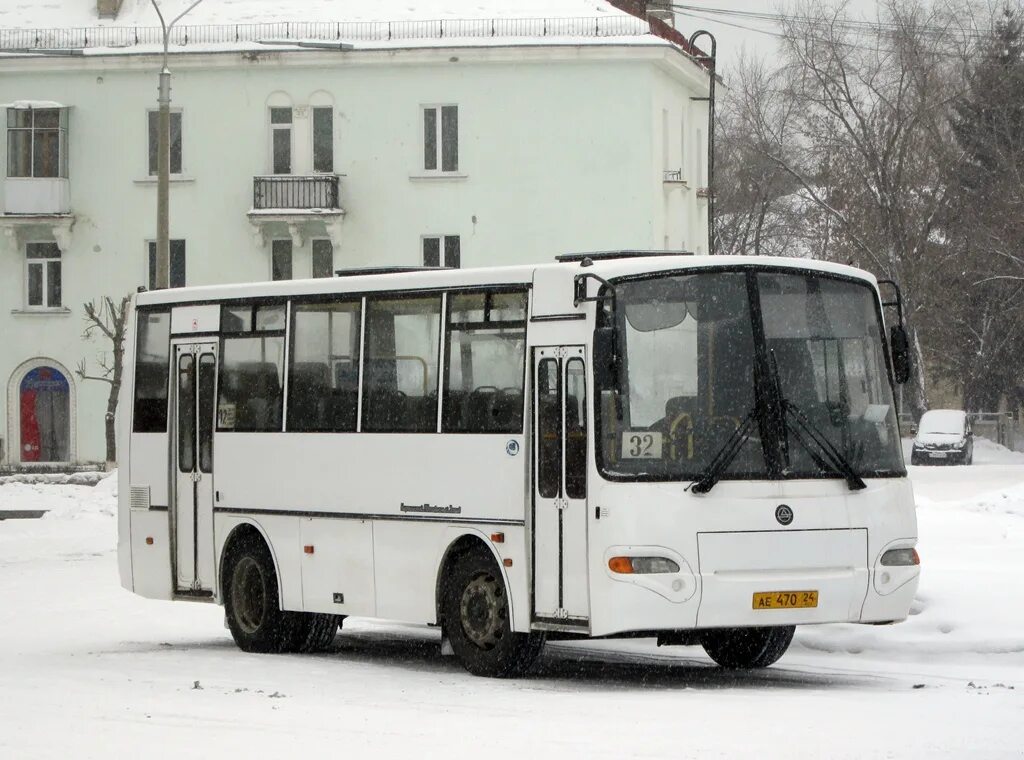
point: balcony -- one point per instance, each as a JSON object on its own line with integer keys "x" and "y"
{"x": 302, "y": 205}
{"x": 313, "y": 194}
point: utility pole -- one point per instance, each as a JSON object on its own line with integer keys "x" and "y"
{"x": 163, "y": 158}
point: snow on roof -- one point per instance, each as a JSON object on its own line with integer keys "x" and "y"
{"x": 231, "y": 25}
{"x": 52, "y": 14}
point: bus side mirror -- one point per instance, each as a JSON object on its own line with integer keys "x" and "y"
{"x": 900, "y": 346}
{"x": 604, "y": 358}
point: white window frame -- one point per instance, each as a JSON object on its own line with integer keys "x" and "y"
{"x": 151, "y": 275}
{"x": 42, "y": 264}
{"x": 63, "y": 127}
{"x": 441, "y": 238}
{"x": 290, "y": 126}
{"x": 438, "y": 131}
{"x": 156, "y": 172}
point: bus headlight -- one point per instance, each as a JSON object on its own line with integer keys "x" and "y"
{"x": 900, "y": 558}
{"x": 642, "y": 565}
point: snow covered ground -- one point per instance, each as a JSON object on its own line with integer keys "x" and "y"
{"x": 89, "y": 670}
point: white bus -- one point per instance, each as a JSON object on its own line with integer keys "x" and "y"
{"x": 698, "y": 449}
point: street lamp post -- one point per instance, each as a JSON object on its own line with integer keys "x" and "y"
{"x": 163, "y": 158}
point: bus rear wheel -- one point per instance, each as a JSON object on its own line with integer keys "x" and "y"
{"x": 476, "y": 619}
{"x": 747, "y": 647}
{"x": 251, "y": 602}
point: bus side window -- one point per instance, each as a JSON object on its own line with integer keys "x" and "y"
{"x": 485, "y": 357}
{"x": 250, "y": 393}
{"x": 575, "y": 429}
{"x": 152, "y": 370}
{"x": 403, "y": 340}
{"x": 323, "y": 377}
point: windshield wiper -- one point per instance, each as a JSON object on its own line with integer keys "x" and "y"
{"x": 725, "y": 455}
{"x": 827, "y": 456}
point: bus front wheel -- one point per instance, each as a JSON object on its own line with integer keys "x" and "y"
{"x": 476, "y": 620}
{"x": 747, "y": 647}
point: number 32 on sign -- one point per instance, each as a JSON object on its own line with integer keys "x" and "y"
{"x": 641, "y": 444}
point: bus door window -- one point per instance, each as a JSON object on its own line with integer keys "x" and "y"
{"x": 186, "y": 413}
{"x": 207, "y": 381}
{"x": 575, "y": 429}
{"x": 549, "y": 429}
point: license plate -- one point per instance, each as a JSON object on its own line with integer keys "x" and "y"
{"x": 937, "y": 454}
{"x": 784, "y": 600}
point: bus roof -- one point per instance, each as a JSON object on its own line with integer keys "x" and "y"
{"x": 602, "y": 265}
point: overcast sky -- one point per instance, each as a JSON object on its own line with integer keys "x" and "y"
{"x": 734, "y": 34}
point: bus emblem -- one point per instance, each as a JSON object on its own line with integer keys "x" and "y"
{"x": 784, "y": 514}
{"x": 512, "y": 448}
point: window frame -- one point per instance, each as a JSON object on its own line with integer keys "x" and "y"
{"x": 321, "y": 300}
{"x": 402, "y": 295}
{"x": 438, "y": 152}
{"x": 291, "y": 259}
{"x": 151, "y": 263}
{"x": 62, "y": 129}
{"x": 141, "y": 314}
{"x": 442, "y": 243}
{"x": 312, "y": 139}
{"x": 43, "y": 263}
{"x": 253, "y": 304}
{"x": 273, "y": 128}
{"x": 153, "y": 171}
{"x": 312, "y": 258}
{"x": 486, "y": 324}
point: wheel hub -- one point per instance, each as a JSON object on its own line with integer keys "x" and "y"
{"x": 483, "y": 611}
{"x": 247, "y": 594}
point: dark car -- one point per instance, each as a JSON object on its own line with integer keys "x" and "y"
{"x": 943, "y": 437}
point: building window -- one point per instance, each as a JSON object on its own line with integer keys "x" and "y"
{"x": 37, "y": 142}
{"x": 323, "y": 258}
{"x": 176, "y": 265}
{"x": 281, "y": 140}
{"x": 175, "y": 141}
{"x": 281, "y": 255}
{"x": 441, "y": 138}
{"x": 432, "y": 246}
{"x": 43, "y": 275}
{"x": 323, "y": 140}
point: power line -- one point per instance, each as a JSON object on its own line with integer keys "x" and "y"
{"x": 840, "y": 23}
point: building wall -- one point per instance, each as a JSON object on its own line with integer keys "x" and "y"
{"x": 559, "y": 150}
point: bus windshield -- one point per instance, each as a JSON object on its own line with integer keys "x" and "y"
{"x": 688, "y": 378}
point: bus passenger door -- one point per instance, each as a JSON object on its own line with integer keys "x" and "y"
{"x": 192, "y": 519}
{"x": 560, "y": 595}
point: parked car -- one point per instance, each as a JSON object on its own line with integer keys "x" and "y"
{"x": 943, "y": 436}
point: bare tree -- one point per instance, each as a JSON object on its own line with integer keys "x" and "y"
{"x": 108, "y": 319}
{"x": 869, "y": 142}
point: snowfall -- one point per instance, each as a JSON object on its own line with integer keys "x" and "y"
{"x": 89, "y": 670}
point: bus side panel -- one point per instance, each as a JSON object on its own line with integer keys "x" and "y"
{"x": 148, "y": 466}
{"x": 367, "y": 474}
{"x": 151, "y": 554}
{"x": 408, "y": 558}
{"x": 337, "y": 566}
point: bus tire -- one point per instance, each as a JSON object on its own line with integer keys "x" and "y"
{"x": 315, "y": 631}
{"x": 251, "y": 601}
{"x": 476, "y": 620}
{"x": 747, "y": 647}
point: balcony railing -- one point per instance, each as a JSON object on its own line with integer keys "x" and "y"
{"x": 295, "y": 193}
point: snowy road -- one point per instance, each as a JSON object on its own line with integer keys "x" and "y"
{"x": 88, "y": 670}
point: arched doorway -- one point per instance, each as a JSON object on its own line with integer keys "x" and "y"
{"x": 41, "y": 412}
